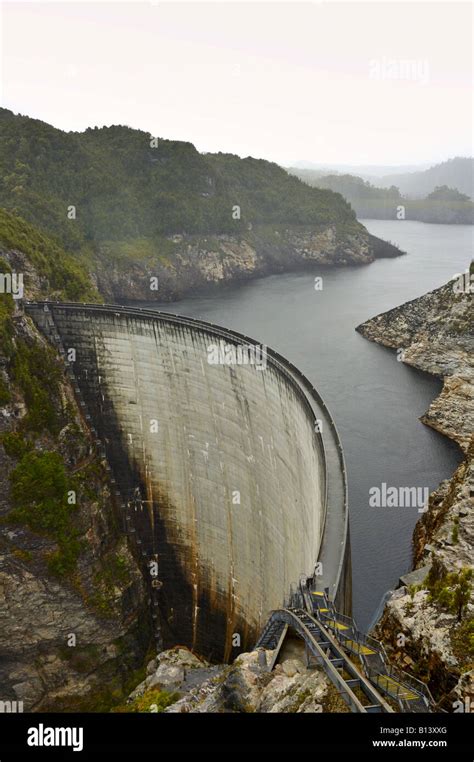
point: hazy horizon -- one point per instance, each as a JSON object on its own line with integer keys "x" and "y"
{"x": 350, "y": 84}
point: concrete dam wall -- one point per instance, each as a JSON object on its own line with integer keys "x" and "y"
{"x": 228, "y": 489}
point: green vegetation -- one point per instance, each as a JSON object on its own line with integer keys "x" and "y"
{"x": 462, "y": 639}
{"x": 154, "y": 700}
{"x": 39, "y": 491}
{"x": 6, "y": 327}
{"x": 15, "y": 445}
{"x": 353, "y": 188}
{"x": 455, "y": 531}
{"x": 5, "y": 395}
{"x": 443, "y": 193}
{"x": 35, "y": 369}
{"x": 60, "y": 272}
{"x": 140, "y": 250}
{"x": 114, "y": 571}
{"x": 124, "y": 189}
{"x": 451, "y": 590}
{"x": 443, "y": 204}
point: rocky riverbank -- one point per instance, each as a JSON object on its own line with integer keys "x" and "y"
{"x": 428, "y": 624}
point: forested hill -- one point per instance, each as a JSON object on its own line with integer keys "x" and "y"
{"x": 131, "y": 207}
{"x": 442, "y": 205}
{"x": 124, "y": 185}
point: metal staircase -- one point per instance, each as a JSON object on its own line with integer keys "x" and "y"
{"x": 356, "y": 664}
{"x": 410, "y": 694}
{"x": 324, "y": 651}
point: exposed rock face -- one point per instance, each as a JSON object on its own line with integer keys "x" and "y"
{"x": 436, "y": 334}
{"x": 244, "y": 686}
{"x": 67, "y": 641}
{"x": 193, "y": 262}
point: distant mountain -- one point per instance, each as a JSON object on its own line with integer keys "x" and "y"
{"x": 456, "y": 173}
{"x": 445, "y": 205}
{"x": 366, "y": 171}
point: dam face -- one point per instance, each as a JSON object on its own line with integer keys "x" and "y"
{"x": 228, "y": 491}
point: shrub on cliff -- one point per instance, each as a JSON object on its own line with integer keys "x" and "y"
{"x": 15, "y": 445}
{"x": 40, "y": 489}
{"x": 450, "y": 590}
{"x": 36, "y": 372}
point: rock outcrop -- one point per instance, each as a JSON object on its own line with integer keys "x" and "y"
{"x": 428, "y": 627}
{"x": 189, "y": 262}
{"x": 246, "y": 685}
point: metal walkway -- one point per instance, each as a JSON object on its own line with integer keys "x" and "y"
{"x": 324, "y": 651}
{"x": 335, "y": 643}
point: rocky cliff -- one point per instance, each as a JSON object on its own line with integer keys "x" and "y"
{"x": 428, "y": 624}
{"x": 182, "y": 264}
{"x": 74, "y": 624}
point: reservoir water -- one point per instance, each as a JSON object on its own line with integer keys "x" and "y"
{"x": 375, "y": 400}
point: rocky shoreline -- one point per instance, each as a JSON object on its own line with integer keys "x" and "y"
{"x": 434, "y": 611}
{"x": 184, "y": 264}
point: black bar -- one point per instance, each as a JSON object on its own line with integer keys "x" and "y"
{"x": 129, "y": 734}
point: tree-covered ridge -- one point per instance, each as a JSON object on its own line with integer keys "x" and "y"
{"x": 124, "y": 185}
{"x": 444, "y": 204}
{"x": 352, "y": 186}
{"x": 444, "y": 193}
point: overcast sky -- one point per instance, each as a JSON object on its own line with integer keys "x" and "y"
{"x": 324, "y": 82}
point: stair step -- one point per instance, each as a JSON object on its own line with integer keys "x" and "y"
{"x": 358, "y": 647}
{"x": 334, "y": 625}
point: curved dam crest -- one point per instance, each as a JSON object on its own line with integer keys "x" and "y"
{"x": 226, "y": 485}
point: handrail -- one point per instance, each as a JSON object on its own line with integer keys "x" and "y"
{"x": 413, "y": 682}
{"x": 399, "y": 675}
{"x": 292, "y": 619}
